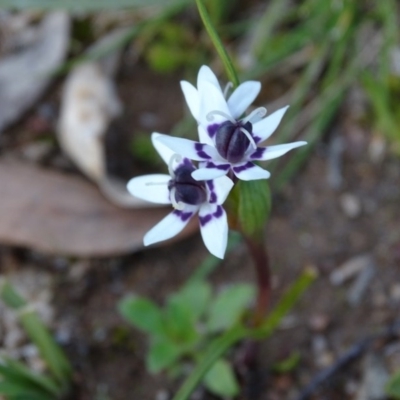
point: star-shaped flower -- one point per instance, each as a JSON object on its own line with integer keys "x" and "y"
{"x": 228, "y": 143}
{"x": 188, "y": 197}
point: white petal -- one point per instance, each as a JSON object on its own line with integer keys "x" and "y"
{"x": 153, "y": 188}
{"x": 189, "y": 148}
{"x": 266, "y": 127}
{"x": 212, "y": 99}
{"x": 167, "y": 228}
{"x": 192, "y": 98}
{"x": 206, "y": 75}
{"x": 219, "y": 188}
{"x": 278, "y": 150}
{"x": 165, "y": 152}
{"x": 249, "y": 172}
{"x": 205, "y": 174}
{"x": 204, "y": 137}
{"x": 214, "y": 229}
{"x": 242, "y": 97}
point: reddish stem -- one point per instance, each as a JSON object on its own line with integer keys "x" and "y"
{"x": 259, "y": 254}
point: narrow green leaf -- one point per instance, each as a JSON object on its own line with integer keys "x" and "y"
{"x": 18, "y": 373}
{"x": 14, "y": 391}
{"x": 229, "y": 306}
{"x": 223, "y": 54}
{"x": 221, "y": 380}
{"x": 50, "y": 351}
{"x": 143, "y": 314}
{"x": 162, "y": 354}
{"x": 393, "y": 386}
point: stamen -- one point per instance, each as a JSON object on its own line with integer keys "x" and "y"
{"x": 174, "y": 157}
{"x": 249, "y": 136}
{"x": 210, "y": 116}
{"x": 255, "y": 115}
{"x": 178, "y": 205}
{"x": 228, "y": 87}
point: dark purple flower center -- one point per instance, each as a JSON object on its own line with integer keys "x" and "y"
{"x": 187, "y": 190}
{"x": 230, "y": 140}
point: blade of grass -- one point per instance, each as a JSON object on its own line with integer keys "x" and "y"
{"x": 38, "y": 333}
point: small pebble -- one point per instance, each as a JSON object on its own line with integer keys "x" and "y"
{"x": 395, "y": 292}
{"x": 350, "y": 205}
{"x": 319, "y": 322}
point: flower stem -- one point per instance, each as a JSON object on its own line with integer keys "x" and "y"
{"x": 260, "y": 258}
{"x": 212, "y": 32}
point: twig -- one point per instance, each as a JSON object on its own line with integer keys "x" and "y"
{"x": 356, "y": 351}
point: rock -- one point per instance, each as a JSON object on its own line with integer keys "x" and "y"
{"x": 350, "y": 204}
{"x": 375, "y": 377}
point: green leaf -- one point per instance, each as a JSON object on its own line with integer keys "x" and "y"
{"x": 220, "y": 380}
{"x": 179, "y": 321}
{"x": 162, "y": 354}
{"x": 393, "y": 386}
{"x": 142, "y": 313}
{"x": 196, "y": 295}
{"x": 229, "y": 306}
{"x": 254, "y": 206}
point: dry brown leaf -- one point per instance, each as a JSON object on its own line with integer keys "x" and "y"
{"x": 63, "y": 214}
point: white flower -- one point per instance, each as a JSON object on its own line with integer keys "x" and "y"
{"x": 188, "y": 197}
{"x": 228, "y": 143}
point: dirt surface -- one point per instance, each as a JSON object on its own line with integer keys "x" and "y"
{"x": 313, "y": 224}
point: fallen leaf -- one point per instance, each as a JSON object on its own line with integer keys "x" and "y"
{"x": 63, "y": 214}
{"x": 26, "y": 74}
{"x": 89, "y": 104}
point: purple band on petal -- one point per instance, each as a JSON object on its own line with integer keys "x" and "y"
{"x": 213, "y": 195}
{"x": 258, "y": 153}
{"x": 223, "y": 167}
{"x": 184, "y": 216}
{"x": 208, "y": 217}
{"x": 218, "y": 213}
{"x": 248, "y": 165}
{"x": 212, "y": 129}
{"x": 205, "y": 220}
{"x": 256, "y": 138}
{"x": 200, "y": 152}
